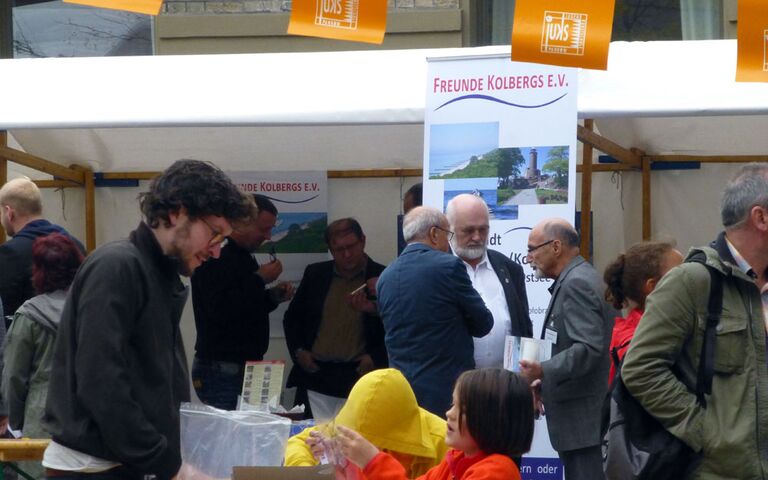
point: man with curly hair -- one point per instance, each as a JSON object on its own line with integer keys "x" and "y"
{"x": 119, "y": 370}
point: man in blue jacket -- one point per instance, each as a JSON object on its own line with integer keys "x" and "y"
{"x": 21, "y": 210}
{"x": 430, "y": 311}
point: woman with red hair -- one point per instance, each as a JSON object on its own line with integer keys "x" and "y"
{"x": 30, "y": 339}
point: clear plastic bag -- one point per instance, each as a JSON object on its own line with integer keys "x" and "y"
{"x": 213, "y": 441}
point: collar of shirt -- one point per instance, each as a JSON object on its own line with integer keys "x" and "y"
{"x": 740, "y": 262}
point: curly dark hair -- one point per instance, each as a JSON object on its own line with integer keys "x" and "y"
{"x": 55, "y": 260}
{"x": 199, "y": 187}
{"x": 627, "y": 274}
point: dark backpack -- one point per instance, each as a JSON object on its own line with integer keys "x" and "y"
{"x": 635, "y": 445}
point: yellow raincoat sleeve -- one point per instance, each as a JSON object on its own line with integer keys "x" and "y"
{"x": 297, "y": 452}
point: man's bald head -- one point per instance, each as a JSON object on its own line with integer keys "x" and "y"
{"x": 552, "y": 244}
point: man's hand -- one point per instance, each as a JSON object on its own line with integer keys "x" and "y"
{"x": 356, "y": 448}
{"x": 270, "y": 271}
{"x": 365, "y": 365}
{"x": 306, "y": 361}
{"x": 531, "y": 370}
{"x": 282, "y": 292}
{"x": 538, "y": 404}
{"x": 364, "y": 300}
{"x": 3, "y": 424}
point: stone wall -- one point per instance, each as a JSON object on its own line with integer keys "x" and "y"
{"x": 208, "y": 7}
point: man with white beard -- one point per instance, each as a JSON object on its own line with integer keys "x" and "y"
{"x": 499, "y": 281}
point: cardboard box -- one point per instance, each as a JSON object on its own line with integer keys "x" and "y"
{"x": 320, "y": 472}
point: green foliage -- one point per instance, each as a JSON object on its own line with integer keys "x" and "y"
{"x": 504, "y": 194}
{"x": 548, "y": 196}
{"x": 309, "y": 240}
{"x": 498, "y": 163}
{"x": 557, "y": 163}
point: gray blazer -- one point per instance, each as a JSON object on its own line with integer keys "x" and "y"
{"x": 576, "y": 377}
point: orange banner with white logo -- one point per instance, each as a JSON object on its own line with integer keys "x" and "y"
{"x": 353, "y": 20}
{"x": 147, "y": 7}
{"x": 569, "y": 33}
{"x": 752, "y": 41}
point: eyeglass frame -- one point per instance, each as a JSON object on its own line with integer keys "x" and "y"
{"x": 448, "y": 233}
{"x": 218, "y": 238}
{"x": 533, "y": 249}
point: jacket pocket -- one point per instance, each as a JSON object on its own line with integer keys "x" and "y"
{"x": 731, "y": 342}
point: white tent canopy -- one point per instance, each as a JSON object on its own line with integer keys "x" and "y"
{"x": 347, "y": 110}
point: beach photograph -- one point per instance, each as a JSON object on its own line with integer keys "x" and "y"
{"x": 484, "y": 188}
{"x": 456, "y": 150}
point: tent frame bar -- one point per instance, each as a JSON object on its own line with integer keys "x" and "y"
{"x": 629, "y": 159}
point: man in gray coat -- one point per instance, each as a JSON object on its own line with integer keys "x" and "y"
{"x": 573, "y": 382}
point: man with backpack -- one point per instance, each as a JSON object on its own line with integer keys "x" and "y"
{"x": 662, "y": 367}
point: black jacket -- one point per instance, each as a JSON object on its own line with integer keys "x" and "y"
{"x": 302, "y": 321}
{"x": 231, "y": 308}
{"x": 512, "y": 280}
{"x": 16, "y": 263}
{"x": 119, "y": 373}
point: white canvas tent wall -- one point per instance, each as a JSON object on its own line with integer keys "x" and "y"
{"x": 364, "y": 110}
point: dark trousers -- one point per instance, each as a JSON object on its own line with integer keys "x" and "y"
{"x": 117, "y": 473}
{"x": 583, "y": 464}
{"x": 216, "y": 383}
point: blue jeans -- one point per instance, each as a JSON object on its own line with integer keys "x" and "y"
{"x": 218, "y": 384}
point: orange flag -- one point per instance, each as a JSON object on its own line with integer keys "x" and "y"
{"x": 147, "y": 7}
{"x": 353, "y": 20}
{"x": 752, "y": 41}
{"x": 569, "y": 33}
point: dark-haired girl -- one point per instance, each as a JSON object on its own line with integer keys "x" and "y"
{"x": 489, "y": 423}
{"x": 630, "y": 279}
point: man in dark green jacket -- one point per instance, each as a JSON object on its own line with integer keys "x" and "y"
{"x": 662, "y": 363}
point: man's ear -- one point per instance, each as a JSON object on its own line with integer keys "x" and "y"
{"x": 759, "y": 217}
{"x": 175, "y": 216}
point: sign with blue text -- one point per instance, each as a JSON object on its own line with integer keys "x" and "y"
{"x": 505, "y": 131}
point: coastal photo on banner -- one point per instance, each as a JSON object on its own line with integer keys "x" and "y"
{"x": 505, "y": 131}
{"x": 298, "y": 238}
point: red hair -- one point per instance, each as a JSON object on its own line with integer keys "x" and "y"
{"x": 55, "y": 260}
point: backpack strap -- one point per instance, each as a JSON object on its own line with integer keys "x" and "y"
{"x": 714, "y": 310}
{"x": 615, "y": 354}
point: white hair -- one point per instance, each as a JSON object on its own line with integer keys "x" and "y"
{"x": 419, "y": 221}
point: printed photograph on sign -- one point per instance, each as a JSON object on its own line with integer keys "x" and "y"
{"x": 461, "y": 150}
{"x": 297, "y": 232}
{"x": 484, "y": 188}
{"x": 337, "y": 13}
{"x": 533, "y": 176}
{"x": 564, "y": 32}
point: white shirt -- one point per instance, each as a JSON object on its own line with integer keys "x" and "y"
{"x": 59, "y": 457}
{"x": 489, "y": 350}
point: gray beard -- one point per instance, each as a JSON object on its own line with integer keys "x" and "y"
{"x": 538, "y": 273}
{"x": 469, "y": 253}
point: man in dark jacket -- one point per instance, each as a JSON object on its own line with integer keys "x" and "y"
{"x": 334, "y": 337}
{"x": 232, "y": 306}
{"x": 498, "y": 280}
{"x": 21, "y": 210}
{"x": 119, "y": 371}
{"x": 430, "y": 311}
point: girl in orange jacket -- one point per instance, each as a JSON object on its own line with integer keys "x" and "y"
{"x": 490, "y": 421}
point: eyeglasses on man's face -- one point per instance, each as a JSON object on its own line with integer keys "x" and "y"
{"x": 217, "y": 238}
{"x": 448, "y": 233}
{"x": 532, "y": 249}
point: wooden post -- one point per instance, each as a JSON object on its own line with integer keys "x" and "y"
{"x": 3, "y": 173}
{"x": 586, "y": 192}
{"x": 90, "y": 206}
{"x": 646, "y": 198}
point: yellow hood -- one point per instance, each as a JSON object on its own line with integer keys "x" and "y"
{"x": 383, "y": 409}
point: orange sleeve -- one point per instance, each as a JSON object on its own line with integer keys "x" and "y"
{"x": 385, "y": 467}
{"x": 494, "y": 467}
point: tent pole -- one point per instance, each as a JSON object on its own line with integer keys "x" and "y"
{"x": 3, "y": 172}
{"x": 646, "y": 198}
{"x": 586, "y": 191}
{"x": 90, "y": 206}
